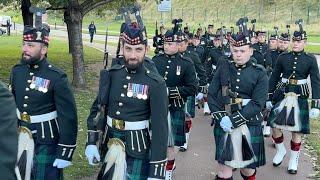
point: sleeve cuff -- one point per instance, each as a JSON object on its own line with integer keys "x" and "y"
{"x": 218, "y": 115}
{"x": 157, "y": 169}
{"x": 65, "y": 151}
{"x": 237, "y": 119}
{"x": 92, "y": 137}
{"x": 174, "y": 93}
{"x": 315, "y": 103}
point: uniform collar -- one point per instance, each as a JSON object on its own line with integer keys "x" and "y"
{"x": 298, "y": 53}
{"x": 172, "y": 56}
{"x": 134, "y": 71}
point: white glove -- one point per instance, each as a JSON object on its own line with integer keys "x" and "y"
{"x": 314, "y": 113}
{"x": 199, "y": 96}
{"x": 226, "y": 124}
{"x": 91, "y": 153}
{"x": 269, "y": 105}
{"x": 60, "y": 163}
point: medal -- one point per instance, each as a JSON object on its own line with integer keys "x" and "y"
{"x": 145, "y": 91}
{"x": 130, "y": 93}
{"x": 32, "y": 86}
{"x": 178, "y": 70}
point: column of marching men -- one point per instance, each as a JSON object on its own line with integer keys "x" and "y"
{"x": 142, "y": 114}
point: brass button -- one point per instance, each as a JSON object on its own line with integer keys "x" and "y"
{"x": 295, "y": 58}
{"x": 169, "y": 61}
{"x": 168, "y": 67}
{"x": 25, "y": 105}
{"x": 27, "y": 89}
{"x": 125, "y": 86}
{"x": 294, "y": 67}
{"x": 29, "y": 81}
{"x": 293, "y": 76}
{"x": 50, "y": 66}
{"x": 238, "y": 73}
{"x": 26, "y": 97}
{"x": 24, "y": 112}
{"x": 294, "y": 72}
{"x": 238, "y": 80}
{"x": 31, "y": 74}
{"x": 166, "y": 72}
{"x": 120, "y": 104}
{"x": 237, "y": 87}
{"x": 128, "y": 77}
{"x": 122, "y": 95}
{"x": 295, "y": 62}
{"x": 148, "y": 71}
{"x": 165, "y": 78}
{"x": 118, "y": 113}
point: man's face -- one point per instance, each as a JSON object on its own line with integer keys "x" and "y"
{"x": 134, "y": 54}
{"x": 196, "y": 41}
{"x": 261, "y": 38}
{"x": 298, "y": 46}
{"x": 217, "y": 43}
{"x": 183, "y": 46}
{"x": 33, "y": 51}
{"x": 210, "y": 30}
{"x": 254, "y": 40}
{"x": 171, "y": 48}
{"x": 242, "y": 54}
{"x": 273, "y": 44}
{"x": 283, "y": 45}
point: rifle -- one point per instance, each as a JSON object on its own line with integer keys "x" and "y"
{"x": 288, "y": 28}
{"x": 299, "y": 23}
{"x": 106, "y": 53}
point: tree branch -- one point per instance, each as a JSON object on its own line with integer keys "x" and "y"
{"x": 56, "y": 8}
{"x": 89, "y": 5}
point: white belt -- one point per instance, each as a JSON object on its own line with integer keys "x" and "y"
{"x": 127, "y": 125}
{"x": 299, "y": 82}
{"x": 37, "y": 118}
{"x": 245, "y": 101}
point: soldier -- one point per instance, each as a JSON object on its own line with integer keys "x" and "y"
{"x": 132, "y": 96}
{"x": 92, "y": 30}
{"x": 180, "y": 77}
{"x": 236, "y": 97}
{"x": 214, "y": 55}
{"x": 261, "y": 45}
{"x": 8, "y": 132}
{"x": 195, "y": 46}
{"x": 201, "y": 75}
{"x": 45, "y": 108}
{"x": 158, "y": 40}
{"x": 289, "y": 89}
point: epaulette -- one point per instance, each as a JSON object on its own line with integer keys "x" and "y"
{"x": 310, "y": 55}
{"x": 115, "y": 67}
{"x": 258, "y": 66}
{"x": 187, "y": 59}
{"x": 56, "y": 69}
{"x": 153, "y": 76}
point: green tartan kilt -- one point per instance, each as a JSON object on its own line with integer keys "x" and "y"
{"x": 42, "y": 169}
{"x": 303, "y": 114}
{"x": 178, "y": 127}
{"x": 257, "y": 144}
{"x": 191, "y": 106}
{"x": 137, "y": 169}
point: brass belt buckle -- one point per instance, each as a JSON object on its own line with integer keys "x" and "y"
{"x": 293, "y": 81}
{"x": 25, "y": 117}
{"x": 118, "y": 124}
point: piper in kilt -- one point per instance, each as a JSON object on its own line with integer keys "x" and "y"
{"x": 45, "y": 108}
{"x": 290, "y": 96}
{"x": 236, "y": 97}
{"x": 130, "y": 98}
{"x": 201, "y": 76}
{"x": 180, "y": 77}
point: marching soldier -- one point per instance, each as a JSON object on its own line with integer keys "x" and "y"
{"x": 196, "y": 47}
{"x": 261, "y": 45}
{"x": 158, "y": 40}
{"x": 131, "y": 96}
{"x": 289, "y": 88}
{"x": 180, "y": 77}
{"x": 214, "y": 55}
{"x": 46, "y": 110}
{"x": 201, "y": 75}
{"x": 236, "y": 97}
{"x": 8, "y": 133}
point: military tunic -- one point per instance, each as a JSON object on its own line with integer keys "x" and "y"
{"x": 180, "y": 77}
{"x": 295, "y": 66}
{"x": 248, "y": 82}
{"x": 41, "y": 89}
{"x": 199, "y": 50}
{"x": 261, "y": 47}
{"x": 135, "y": 96}
{"x": 212, "y": 62}
{"x": 8, "y": 133}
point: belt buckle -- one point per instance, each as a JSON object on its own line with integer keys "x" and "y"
{"x": 25, "y": 117}
{"x": 293, "y": 81}
{"x": 118, "y": 124}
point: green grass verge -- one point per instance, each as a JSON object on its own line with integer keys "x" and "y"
{"x": 10, "y": 51}
{"x": 313, "y": 140}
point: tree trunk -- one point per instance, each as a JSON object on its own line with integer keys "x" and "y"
{"x": 73, "y": 19}
{"x": 26, "y": 15}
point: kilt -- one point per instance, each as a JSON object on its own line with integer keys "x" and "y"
{"x": 178, "y": 127}
{"x": 44, "y": 156}
{"x": 303, "y": 115}
{"x": 137, "y": 169}
{"x": 191, "y": 106}
{"x": 257, "y": 144}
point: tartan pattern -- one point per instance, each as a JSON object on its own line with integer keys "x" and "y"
{"x": 178, "y": 127}
{"x": 304, "y": 115}
{"x": 137, "y": 169}
{"x": 257, "y": 143}
{"x": 191, "y": 106}
{"x": 42, "y": 169}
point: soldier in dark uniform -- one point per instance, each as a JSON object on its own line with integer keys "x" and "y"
{"x": 180, "y": 76}
{"x": 45, "y": 107}
{"x": 8, "y": 133}
{"x": 261, "y": 45}
{"x": 92, "y": 30}
{"x": 132, "y": 96}
{"x": 196, "y": 47}
{"x": 201, "y": 75}
{"x": 290, "y": 92}
{"x": 236, "y": 97}
{"x": 214, "y": 55}
{"x": 158, "y": 40}
{"x": 283, "y": 43}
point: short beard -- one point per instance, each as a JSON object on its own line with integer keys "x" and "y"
{"x": 33, "y": 59}
{"x": 133, "y": 66}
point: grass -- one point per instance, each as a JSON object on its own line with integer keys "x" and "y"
{"x": 313, "y": 140}
{"x": 10, "y": 50}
